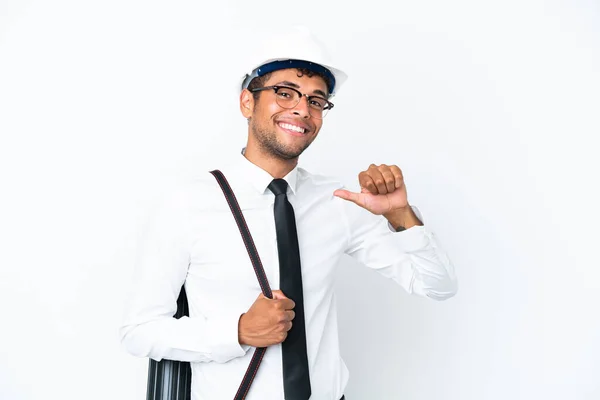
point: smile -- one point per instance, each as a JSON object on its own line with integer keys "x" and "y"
{"x": 292, "y": 128}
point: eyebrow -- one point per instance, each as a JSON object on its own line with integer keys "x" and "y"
{"x": 295, "y": 86}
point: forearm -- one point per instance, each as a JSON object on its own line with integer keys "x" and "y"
{"x": 412, "y": 258}
{"x": 184, "y": 339}
{"x": 431, "y": 271}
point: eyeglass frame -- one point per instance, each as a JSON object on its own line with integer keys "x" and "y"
{"x": 275, "y": 88}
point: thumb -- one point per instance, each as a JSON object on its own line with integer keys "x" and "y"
{"x": 347, "y": 195}
{"x": 278, "y": 295}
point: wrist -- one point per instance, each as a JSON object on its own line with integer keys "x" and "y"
{"x": 241, "y": 339}
{"x": 402, "y": 218}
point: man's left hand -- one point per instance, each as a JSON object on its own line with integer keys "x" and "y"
{"x": 382, "y": 190}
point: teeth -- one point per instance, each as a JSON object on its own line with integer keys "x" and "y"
{"x": 292, "y": 127}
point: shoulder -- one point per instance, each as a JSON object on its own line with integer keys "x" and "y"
{"x": 321, "y": 181}
{"x": 199, "y": 191}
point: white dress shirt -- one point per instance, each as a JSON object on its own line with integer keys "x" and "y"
{"x": 194, "y": 240}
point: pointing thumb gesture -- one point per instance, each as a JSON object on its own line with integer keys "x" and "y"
{"x": 356, "y": 198}
{"x": 382, "y": 190}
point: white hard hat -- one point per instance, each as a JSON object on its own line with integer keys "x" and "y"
{"x": 296, "y": 48}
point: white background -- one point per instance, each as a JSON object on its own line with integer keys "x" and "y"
{"x": 490, "y": 108}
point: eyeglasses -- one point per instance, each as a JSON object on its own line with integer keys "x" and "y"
{"x": 287, "y": 97}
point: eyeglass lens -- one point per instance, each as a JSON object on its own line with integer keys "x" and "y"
{"x": 289, "y": 98}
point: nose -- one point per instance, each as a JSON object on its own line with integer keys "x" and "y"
{"x": 301, "y": 108}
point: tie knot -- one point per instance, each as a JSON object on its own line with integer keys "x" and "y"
{"x": 278, "y": 186}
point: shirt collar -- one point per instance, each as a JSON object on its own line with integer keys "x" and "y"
{"x": 258, "y": 178}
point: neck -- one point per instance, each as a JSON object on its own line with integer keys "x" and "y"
{"x": 276, "y": 167}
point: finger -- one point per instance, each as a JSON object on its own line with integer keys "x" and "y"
{"x": 286, "y": 315}
{"x": 398, "y": 177}
{"x": 388, "y": 177}
{"x": 377, "y": 177}
{"x": 288, "y": 304}
{"x": 366, "y": 182}
{"x": 290, "y": 315}
{"x": 347, "y": 195}
{"x": 283, "y": 335}
{"x": 288, "y": 326}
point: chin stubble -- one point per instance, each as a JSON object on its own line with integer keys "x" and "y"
{"x": 268, "y": 142}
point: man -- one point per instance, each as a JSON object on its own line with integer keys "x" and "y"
{"x": 195, "y": 241}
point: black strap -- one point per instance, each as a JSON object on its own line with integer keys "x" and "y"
{"x": 258, "y": 269}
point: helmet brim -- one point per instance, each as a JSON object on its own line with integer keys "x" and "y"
{"x": 274, "y": 64}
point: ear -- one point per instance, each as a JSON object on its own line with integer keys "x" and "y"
{"x": 246, "y": 103}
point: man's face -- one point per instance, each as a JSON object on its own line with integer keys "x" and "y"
{"x": 276, "y": 129}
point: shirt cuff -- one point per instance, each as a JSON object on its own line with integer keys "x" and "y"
{"x": 223, "y": 335}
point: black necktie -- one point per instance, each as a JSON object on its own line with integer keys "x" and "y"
{"x": 296, "y": 382}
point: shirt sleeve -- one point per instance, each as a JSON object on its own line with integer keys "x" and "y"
{"x": 148, "y": 328}
{"x": 413, "y": 258}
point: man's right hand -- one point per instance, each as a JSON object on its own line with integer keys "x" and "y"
{"x": 268, "y": 321}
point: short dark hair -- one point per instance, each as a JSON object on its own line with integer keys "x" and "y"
{"x": 259, "y": 81}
